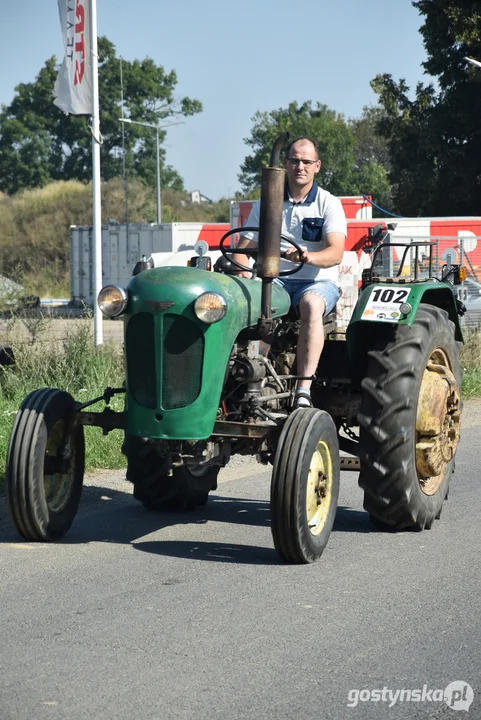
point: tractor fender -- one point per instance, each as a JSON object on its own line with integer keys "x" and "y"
{"x": 378, "y": 312}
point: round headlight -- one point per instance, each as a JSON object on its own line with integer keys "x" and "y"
{"x": 112, "y": 300}
{"x": 210, "y": 307}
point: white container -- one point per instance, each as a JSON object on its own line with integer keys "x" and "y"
{"x": 123, "y": 246}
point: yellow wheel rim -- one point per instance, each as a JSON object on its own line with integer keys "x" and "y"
{"x": 319, "y": 489}
{"x": 437, "y": 422}
{"x": 58, "y": 486}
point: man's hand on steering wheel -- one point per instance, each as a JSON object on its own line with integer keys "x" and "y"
{"x": 295, "y": 256}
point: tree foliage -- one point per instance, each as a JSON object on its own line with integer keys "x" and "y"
{"x": 435, "y": 138}
{"x": 39, "y": 143}
{"x": 345, "y": 170}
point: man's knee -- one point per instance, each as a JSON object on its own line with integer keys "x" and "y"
{"x": 312, "y": 307}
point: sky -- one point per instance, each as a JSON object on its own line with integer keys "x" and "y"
{"x": 236, "y": 59}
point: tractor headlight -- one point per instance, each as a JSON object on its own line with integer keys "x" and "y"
{"x": 210, "y": 307}
{"x": 112, "y": 300}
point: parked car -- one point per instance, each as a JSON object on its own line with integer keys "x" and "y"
{"x": 470, "y": 294}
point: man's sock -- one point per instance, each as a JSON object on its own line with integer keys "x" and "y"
{"x": 303, "y": 398}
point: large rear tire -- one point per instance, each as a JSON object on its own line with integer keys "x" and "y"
{"x": 410, "y": 422}
{"x": 45, "y": 465}
{"x": 305, "y": 485}
{"x": 185, "y": 488}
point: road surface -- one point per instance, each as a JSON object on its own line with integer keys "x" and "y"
{"x": 145, "y": 616}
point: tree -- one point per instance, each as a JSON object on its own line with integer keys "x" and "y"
{"x": 372, "y": 157}
{"x": 39, "y": 143}
{"x": 328, "y": 128}
{"x": 347, "y": 168}
{"x": 371, "y": 147}
{"x": 434, "y": 138}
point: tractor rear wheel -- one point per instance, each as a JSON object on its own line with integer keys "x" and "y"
{"x": 410, "y": 422}
{"x": 45, "y": 465}
{"x": 305, "y": 485}
{"x": 185, "y": 488}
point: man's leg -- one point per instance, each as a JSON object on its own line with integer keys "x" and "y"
{"x": 311, "y": 338}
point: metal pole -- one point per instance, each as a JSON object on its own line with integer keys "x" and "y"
{"x": 97, "y": 211}
{"x": 159, "y": 208}
{"x": 156, "y": 128}
{"x": 124, "y": 153}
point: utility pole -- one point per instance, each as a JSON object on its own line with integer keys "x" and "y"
{"x": 156, "y": 128}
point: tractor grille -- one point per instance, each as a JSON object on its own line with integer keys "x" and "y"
{"x": 182, "y": 356}
{"x": 141, "y": 363}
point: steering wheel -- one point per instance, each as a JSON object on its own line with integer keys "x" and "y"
{"x": 251, "y": 252}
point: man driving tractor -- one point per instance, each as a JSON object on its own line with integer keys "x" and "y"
{"x": 315, "y": 219}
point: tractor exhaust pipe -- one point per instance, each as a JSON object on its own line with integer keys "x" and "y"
{"x": 270, "y": 224}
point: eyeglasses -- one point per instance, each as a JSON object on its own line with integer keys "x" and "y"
{"x": 298, "y": 161}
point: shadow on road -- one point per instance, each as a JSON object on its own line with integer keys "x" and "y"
{"x": 107, "y": 515}
{"x": 353, "y": 521}
{"x": 212, "y": 551}
{"x": 112, "y": 516}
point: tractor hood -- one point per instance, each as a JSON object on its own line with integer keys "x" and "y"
{"x": 176, "y": 364}
{"x": 181, "y": 286}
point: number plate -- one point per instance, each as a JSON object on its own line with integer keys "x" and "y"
{"x": 384, "y": 304}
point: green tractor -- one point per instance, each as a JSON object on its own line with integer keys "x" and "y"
{"x": 210, "y": 372}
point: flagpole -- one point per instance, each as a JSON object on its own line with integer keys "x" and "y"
{"x": 97, "y": 211}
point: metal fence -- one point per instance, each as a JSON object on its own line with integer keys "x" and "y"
{"x": 418, "y": 261}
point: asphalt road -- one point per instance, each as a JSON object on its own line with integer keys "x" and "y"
{"x": 145, "y": 616}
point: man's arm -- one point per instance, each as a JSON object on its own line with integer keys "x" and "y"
{"x": 243, "y": 259}
{"x": 245, "y": 242}
{"x": 327, "y": 257}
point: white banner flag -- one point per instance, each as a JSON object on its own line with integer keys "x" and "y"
{"x": 73, "y": 87}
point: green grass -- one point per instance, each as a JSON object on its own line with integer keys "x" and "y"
{"x": 471, "y": 384}
{"x": 75, "y": 365}
{"x": 471, "y": 363}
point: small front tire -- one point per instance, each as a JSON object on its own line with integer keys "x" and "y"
{"x": 45, "y": 465}
{"x": 305, "y": 485}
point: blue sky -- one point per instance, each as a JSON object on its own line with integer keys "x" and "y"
{"x": 236, "y": 58}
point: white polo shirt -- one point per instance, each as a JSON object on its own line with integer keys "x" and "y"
{"x": 307, "y": 222}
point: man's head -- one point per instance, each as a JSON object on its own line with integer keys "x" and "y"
{"x": 302, "y": 163}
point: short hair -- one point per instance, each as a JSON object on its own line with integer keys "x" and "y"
{"x": 304, "y": 138}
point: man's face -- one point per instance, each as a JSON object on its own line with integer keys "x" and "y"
{"x": 301, "y": 174}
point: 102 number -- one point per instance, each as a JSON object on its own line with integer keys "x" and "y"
{"x": 386, "y": 295}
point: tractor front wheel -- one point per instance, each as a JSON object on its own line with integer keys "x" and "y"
{"x": 305, "y": 485}
{"x": 410, "y": 422}
{"x": 45, "y": 465}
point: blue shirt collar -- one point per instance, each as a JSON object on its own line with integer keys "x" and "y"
{"x": 310, "y": 197}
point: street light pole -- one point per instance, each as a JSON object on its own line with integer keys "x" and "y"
{"x": 156, "y": 128}
{"x": 159, "y": 206}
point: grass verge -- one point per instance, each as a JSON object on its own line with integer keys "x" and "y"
{"x": 75, "y": 365}
{"x": 471, "y": 363}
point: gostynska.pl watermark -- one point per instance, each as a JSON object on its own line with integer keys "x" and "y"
{"x": 458, "y": 695}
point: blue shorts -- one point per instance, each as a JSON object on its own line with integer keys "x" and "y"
{"x": 298, "y": 288}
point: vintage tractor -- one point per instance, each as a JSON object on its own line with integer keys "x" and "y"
{"x": 210, "y": 372}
